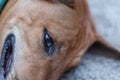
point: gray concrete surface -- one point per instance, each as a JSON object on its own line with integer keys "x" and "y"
{"x": 106, "y": 14}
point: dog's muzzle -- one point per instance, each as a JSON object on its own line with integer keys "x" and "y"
{"x": 6, "y": 59}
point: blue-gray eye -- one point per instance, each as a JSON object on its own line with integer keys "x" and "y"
{"x": 48, "y": 43}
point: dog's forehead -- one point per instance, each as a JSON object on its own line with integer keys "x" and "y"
{"x": 39, "y": 10}
{"x": 42, "y": 9}
{"x": 57, "y": 18}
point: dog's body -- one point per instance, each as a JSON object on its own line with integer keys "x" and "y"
{"x": 69, "y": 24}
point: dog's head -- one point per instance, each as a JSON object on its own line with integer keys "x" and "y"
{"x": 40, "y": 39}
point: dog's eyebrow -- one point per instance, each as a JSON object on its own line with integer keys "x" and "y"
{"x": 2, "y": 4}
{"x": 69, "y": 3}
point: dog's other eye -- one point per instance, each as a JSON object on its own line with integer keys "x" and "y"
{"x": 48, "y": 43}
{"x": 69, "y": 3}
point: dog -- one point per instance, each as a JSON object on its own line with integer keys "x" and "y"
{"x": 41, "y": 39}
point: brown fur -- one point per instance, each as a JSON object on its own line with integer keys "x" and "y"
{"x": 72, "y": 29}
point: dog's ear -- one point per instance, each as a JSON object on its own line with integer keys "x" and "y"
{"x": 86, "y": 35}
{"x": 89, "y": 33}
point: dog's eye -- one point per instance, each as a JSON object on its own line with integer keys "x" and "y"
{"x": 48, "y": 43}
{"x": 69, "y": 3}
{"x": 7, "y": 54}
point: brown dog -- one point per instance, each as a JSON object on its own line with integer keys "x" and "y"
{"x": 40, "y": 39}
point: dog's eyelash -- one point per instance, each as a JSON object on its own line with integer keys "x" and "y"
{"x": 48, "y": 43}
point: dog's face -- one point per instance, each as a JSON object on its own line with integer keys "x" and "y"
{"x": 40, "y": 39}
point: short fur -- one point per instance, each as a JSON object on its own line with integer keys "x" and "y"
{"x": 71, "y": 27}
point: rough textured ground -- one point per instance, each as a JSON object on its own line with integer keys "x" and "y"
{"x": 100, "y": 67}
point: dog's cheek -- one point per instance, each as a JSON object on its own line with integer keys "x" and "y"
{"x": 34, "y": 70}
